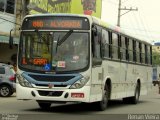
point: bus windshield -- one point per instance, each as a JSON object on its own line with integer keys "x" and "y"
{"x": 41, "y": 51}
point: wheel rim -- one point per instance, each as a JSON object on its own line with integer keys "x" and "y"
{"x": 4, "y": 91}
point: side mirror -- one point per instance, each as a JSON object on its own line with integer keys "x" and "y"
{"x": 10, "y": 42}
{"x": 11, "y": 39}
{"x": 94, "y": 30}
{"x": 96, "y": 61}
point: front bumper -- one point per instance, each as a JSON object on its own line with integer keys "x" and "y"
{"x": 53, "y": 94}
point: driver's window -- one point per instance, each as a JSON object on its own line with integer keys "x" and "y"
{"x": 96, "y": 44}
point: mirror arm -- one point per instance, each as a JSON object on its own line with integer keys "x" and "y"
{"x": 11, "y": 39}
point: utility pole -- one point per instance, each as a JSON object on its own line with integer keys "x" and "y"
{"x": 126, "y": 9}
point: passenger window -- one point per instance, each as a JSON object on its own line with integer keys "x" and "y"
{"x": 146, "y": 54}
{"x": 149, "y": 55}
{"x": 137, "y": 52}
{"x": 123, "y": 48}
{"x": 96, "y": 45}
{"x": 134, "y": 51}
{"x": 105, "y": 43}
{"x": 130, "y": 50}
{"x": 115, "y": 46}
{"x": 143, "y": 53}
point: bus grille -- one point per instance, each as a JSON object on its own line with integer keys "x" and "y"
{"x": 51, "y": 78}
{"x": 46, "y": 85}
{"x": 50, "y": 93}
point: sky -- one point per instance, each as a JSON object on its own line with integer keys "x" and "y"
{"x": 144, "y": 23}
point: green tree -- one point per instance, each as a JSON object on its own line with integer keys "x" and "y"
{"x": 156, "y": 59}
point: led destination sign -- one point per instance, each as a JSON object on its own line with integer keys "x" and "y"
{"x": 55, "y": 23}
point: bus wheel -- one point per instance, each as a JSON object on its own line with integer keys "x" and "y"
{"x": 135, "y": 98}
{"x": 44, "y": 106}
{"x": 102, "y": 105}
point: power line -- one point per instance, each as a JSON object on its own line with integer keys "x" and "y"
{"x": 128, "y": 28}
{"x": 149, "y": 28}
{"x": 10, "y": 21}
{"x": 138, "y": 24}
{"x": 145, "y": 27}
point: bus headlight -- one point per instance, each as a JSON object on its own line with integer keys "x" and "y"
{"x": 22, "y": 81}
{"x": 80, "y": 83}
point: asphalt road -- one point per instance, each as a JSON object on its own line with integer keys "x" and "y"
{"x": 148, "y": 108}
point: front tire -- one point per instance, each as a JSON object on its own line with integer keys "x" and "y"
{"x": 135, "y": 98}
{"x": 102, "y": 105}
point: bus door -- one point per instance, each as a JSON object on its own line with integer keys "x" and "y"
{"x": 97, "y": 72}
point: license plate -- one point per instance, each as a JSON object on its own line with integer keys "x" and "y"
{"x": 77, "y": 95}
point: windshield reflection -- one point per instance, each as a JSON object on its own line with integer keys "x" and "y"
{"x": 41, "y": 51}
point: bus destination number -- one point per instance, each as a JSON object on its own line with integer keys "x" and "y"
{"x": 37, "y": 24}
{"x": 57, "y": 24}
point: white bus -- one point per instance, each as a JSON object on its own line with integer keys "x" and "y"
{"x": 79, "y": 58}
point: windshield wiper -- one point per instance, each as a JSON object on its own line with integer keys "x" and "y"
{"x": 59, "y": 42}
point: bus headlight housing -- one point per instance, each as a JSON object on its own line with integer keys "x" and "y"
{"x": 22, "y": 81}
{"x": 80, "y": 83}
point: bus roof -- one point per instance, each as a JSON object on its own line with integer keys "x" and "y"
{"x": 94, "y": 20}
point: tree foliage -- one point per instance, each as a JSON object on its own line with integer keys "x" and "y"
{"x": 156, "y": 59}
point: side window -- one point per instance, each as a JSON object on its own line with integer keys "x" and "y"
{"x": 150, "y": 49}
{"x": 105, "y": 43}
{"x": 7, "y": 6}
{"x": 96, "y": 48}
{"x": 137, "y": 52}
{"x": 143, "y": 53}
{"x": 96, "y": 44}
{"x": 140, "y": 50}
{"x": 134, "y": 50}
{"x": 2, "y": 5}
{"x": 2, "y": 70}
{"x": 130, "y": 50}
{"x": 127, "y": 48}
{"x": 10, "y": 6}
{"x": 146, "y": 54}
{"x": 149, "y": 54}
{"x": 114, "y": 46}
{"x": 123, "y": 48}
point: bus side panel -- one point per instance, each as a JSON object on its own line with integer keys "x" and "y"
{"x": 112, "y": 71}
{"x": 147, "y": 81}
{"x": 96, "y": 84}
